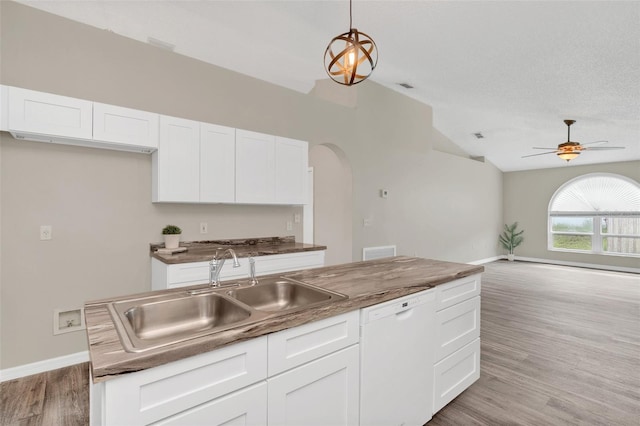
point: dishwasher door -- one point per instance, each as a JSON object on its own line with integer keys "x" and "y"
{"x": 396, "y": 361}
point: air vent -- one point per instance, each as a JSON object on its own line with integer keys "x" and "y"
{"x": 370, "y": 253}
{"x": 405, "y": 85}
{"x": 478, "y": 135}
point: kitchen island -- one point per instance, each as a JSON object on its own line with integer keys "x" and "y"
{"x": 364, "y": 283}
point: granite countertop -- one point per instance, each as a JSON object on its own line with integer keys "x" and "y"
{"x": 202, "y": 251}
{"x": 366, "y": 283}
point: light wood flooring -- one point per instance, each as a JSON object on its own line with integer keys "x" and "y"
{"x": 560, "y": 346}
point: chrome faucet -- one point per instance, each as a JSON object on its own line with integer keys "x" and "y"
{"x": 252, "y": 271}
{"x": 216, "y": 264}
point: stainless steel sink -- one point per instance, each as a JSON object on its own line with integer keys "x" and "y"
{"x": 153, "y": 322}
{"x": 283, "y": 296}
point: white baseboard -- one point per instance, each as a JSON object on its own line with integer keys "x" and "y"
{"x": 579, "y": 264}
{"x": 487, "y": 260}
{"x": 44, "y": 365}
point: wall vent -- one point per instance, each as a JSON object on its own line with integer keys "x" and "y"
{"x": 370, "y": 253}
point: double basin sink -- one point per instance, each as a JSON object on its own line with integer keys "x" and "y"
{"x": 156, "y": 321}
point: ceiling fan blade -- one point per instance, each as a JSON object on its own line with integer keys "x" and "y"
{"x": 546, "y": 147}
{"x": 602, "y": 148}
{"x": 543, "y": 153}
{"x": 595, "y": 143}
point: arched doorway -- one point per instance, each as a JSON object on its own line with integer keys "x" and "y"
{"x": 332, "y": 202}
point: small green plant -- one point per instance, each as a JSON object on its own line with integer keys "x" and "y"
{"x": 171, "y": 230}
{"x": 511, "y": 237}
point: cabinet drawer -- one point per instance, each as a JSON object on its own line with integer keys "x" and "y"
{"x": 247, "y": 406}
{"x": 48, "y": 114}
{"x": 125, "y": 126}
{"x": 188, "y": 273}
{"x": 296, "y": 346}
{"x": 455, "y": 373}
{"x": 456, "y": 291}
{"x": 289, "y": 262}
{"x": 157, "y": 393}
{"x": 457, "y": 326}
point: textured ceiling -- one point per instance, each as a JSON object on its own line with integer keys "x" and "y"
{"x": 510, "y": 70}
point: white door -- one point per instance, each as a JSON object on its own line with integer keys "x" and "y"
{"x": 322, "y": 392}
{"x": 255, "y": 168}
{"x": 125, "y": 126}
{"x": 217, "y": 164}
{"x": 48, "y": 114}
{"x": 292, "y": 164}
{"x": 178, "y": 160}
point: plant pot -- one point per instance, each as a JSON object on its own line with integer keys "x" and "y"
{"x": 511, "y": 257}
{"x": 171, "y": 241}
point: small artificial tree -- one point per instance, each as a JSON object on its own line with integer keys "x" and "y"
{"x": 511, "y": 238}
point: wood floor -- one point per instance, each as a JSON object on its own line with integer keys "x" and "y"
{"x": 560, "y": 346}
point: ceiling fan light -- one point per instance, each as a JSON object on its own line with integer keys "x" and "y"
{"x": 569, "y": 155}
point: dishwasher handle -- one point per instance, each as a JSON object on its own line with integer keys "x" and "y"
{"x": 406, "y": 314}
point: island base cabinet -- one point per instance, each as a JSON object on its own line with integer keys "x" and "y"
{"x": 319, "y": 393}
{"x": 455, "y": 373}
{"x": 245, "y": 407}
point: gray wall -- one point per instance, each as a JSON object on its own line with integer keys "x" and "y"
{"x": 526, "y": 199}
{"x": 98, "y": 201}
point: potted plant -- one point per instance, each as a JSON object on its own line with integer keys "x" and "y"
{"x": 171, "y": 236}
{"x": 511, "y": 238}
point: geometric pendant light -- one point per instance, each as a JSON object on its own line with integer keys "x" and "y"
{"x": 350, "y": 57}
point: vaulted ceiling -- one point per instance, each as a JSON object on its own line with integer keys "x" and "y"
{"x": 511, "y": 70}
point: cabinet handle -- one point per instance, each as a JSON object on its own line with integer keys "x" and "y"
{"x": 401, "y": 316}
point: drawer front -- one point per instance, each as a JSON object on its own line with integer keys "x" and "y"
{"x": 299, "y": 345}
{"x": 457, "y": 326}
{"x": 245, "y": 407}
{"x": 289, "y": 262}
{"x": 157, "y": 393}
{"x": 188, "y": 273}
{"x": 455, "y": 373}
{"x": 456, "y": 291}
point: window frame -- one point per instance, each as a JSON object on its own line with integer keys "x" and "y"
{"x": 597, "y": 237}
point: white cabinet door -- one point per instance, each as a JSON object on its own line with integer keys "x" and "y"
{"x": 125, "y": 126}
{"x": 48, "y": 114}
{"x": 176, "y": 164}
{"x": 244, "y": 407}
{"x": 292, "y": 165}
{"x": 217, "y": 164}
{"x": 322, "y": 392}
{"x": 255, "y": 168}
{"x": 457, "y": 326}
{"x": 4, "y": 112}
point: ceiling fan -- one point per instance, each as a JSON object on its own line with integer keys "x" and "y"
{"x": 570, "y": 150}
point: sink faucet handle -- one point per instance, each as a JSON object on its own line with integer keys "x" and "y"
{"x": 252, "y": 271}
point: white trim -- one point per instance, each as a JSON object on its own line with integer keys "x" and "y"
{"x": 487, "y": 260}
{"x": 580, "y": 264}
{"x": 44, "y": 365}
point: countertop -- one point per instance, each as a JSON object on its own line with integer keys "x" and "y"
{"x": 365, "y": 283}
{"x": 202, "y": 251}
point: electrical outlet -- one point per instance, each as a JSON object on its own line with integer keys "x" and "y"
{"x": 296, "y": 218}
{"x": 289, "y": 225}
{"x": 204, "y": 228}
{"x": 367, "y": 221}
{"x": 45, "y": 232}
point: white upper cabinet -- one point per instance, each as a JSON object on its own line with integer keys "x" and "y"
{"x": 292, "y": 164}
{"x": 217, "y": 163}
{"x": 255, "y": 168}
{"x": 3, "y": 108}
{"x": 125, "y": 126}
{"x": 176, "y": 164}
{"x": 45, "y": 114}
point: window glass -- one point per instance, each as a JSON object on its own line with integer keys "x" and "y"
{"x": 620, "y": 225}
{"x": 572, "y": 242}
{"x": 572, "y": 224}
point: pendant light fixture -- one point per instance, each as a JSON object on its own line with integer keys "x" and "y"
{"x": 350, "y": 57}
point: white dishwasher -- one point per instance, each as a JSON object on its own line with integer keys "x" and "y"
{"x": 396, "y": 361}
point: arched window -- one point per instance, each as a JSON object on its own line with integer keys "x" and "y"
{"x": 596, "y": 213}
